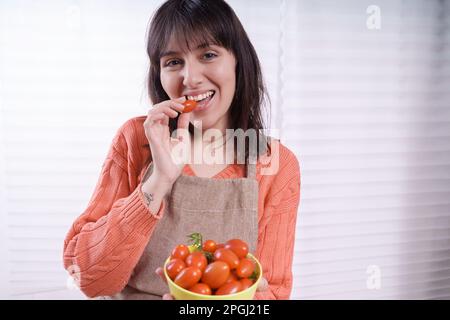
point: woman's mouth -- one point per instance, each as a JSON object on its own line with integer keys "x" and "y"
{"x": 203, "y": 100}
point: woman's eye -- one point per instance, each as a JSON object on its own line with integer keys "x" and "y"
{"x": 172, "y": 63}
{"x": 209, "y": 55}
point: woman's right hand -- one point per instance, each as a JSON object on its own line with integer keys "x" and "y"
{"x": 168, "y": 158}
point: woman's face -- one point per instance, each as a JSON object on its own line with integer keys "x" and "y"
{"x": 205, "y": 74}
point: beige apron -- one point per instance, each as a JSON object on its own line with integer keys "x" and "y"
{"x": 220, "y": 209}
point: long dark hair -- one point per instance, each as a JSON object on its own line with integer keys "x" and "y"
{"x": 194, "y": 22}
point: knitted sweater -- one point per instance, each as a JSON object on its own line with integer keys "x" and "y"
{"x": 107, "y": 240}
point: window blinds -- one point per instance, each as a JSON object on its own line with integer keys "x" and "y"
{"x": 366, "y": 111}
{"x": 72, "y": 73}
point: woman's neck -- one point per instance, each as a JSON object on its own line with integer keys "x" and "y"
{"x": 209, "y": 149}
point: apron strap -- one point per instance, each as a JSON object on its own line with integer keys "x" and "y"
{"x": 253, "y": 156}
{"x": 251, "y": 171}
{"x": 251, "y": 165}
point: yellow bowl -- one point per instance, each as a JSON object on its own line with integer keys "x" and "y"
{"x": 180, "y": 293}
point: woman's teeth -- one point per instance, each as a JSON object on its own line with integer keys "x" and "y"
{"x": 201, "y": 97}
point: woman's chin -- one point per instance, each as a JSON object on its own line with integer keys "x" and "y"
{"x": 208, "y": 121}
{"x": 202, "y": 123}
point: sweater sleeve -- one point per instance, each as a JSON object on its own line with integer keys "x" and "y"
{"x": 107, "y": 240}
{"x": 278, "y": 237}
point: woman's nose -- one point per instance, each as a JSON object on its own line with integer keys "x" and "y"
{"x": 192, "y": 75}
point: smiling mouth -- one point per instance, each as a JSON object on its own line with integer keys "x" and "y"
{"x": 201, "y": 97}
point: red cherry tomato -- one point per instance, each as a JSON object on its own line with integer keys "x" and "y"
{"x": 189, "y": 105}
{"x": 245, "y": 268}
{"x": 197, "y": 259}
{"x": 245, "y": 283}
{"x": 180, "y": 252}
{"x": 216, "y": 273}
{"x": 229, "y": 288}
{"x": 201, "y": 288}
{"x": 232, "y": 277}
{"x": 210, "y": 246}
{"x": 239, "y": 247}
{"x": 227, "y": 256}
{"x": 220, "y": 246}
{"x": 174, "y": 267}
{"x": 188, "y": 277}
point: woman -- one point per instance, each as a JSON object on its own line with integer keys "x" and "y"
{"x": 153, "y": 190}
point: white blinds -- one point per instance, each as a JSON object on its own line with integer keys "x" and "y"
{"x": 366, "y": 112}
{"x": 71, "y": 73}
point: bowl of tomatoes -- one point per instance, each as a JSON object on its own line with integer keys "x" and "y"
{"x": 212, "y": 271}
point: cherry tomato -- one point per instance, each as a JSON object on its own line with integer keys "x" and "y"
{"x": 174, "y": 267}
{"x": 239, "y": 247}
{"x": 216, "y": 273}
{"x": 197, "y": 259}
{"x": 245, "y": 283}
{"x": 220, "y": 245}
{"x": 189, "y": 105}
{"x": 229, "y": 288}
{"x": 227, "y": 256}
{"x": 232, "y": 277}
{"x": 210, "y": 246}
{"x": 180, "y": 252}
{"x": 245, "y": 268}
{"x": 188, "y": 277}
{"x": 201, "y": 288}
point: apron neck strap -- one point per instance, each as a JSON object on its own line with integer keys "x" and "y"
{"x": 251, "y": 171}
{"x": 253, "y": 156}
{"x": 251, "y": 167}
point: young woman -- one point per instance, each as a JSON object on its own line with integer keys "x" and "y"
{"x": 148, "y": 198}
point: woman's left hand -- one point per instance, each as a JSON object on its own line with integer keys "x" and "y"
{"x": 262, "y": 286}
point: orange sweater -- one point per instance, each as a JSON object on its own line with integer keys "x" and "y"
{"x": 107, "y": 240}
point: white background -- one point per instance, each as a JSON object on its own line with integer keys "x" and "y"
{"x": 366, "y": 111}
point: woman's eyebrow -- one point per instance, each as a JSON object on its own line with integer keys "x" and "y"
{"x": 168, "y": 53}
{"x": 171, "y": 53}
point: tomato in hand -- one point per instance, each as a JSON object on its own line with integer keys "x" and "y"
{"x": 174, "y": 267}
{"x": 188, "y": 277}
{"x": 245, "y": 268}
{"x": 229, "y": 288}
{"x": 189, "y": 105}
{"x": 227, "y": 256}
{"x": 210, "y": 246}
{"x": 197, "y": 259}
{"x": 216, "y": 274}
{"x": 239, "y": 247}
{"x": 180, "y": 252}
{"x": 201, "y": 288}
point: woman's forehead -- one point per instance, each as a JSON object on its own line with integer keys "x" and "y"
{"x": 185, "y": 43}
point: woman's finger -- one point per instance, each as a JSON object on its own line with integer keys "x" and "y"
{"x": 157, "y": 118}
{"x": 183, "y": 125}
{"x": 167, "y": 296}
{"x": 169, "y": 112}
{"x": 263, "y": 285}
{"x": 175, "y": 105}
{"x": 180, "y": 99}
{"x": 159, "y": 271}
{"x": 168, "y": 108}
